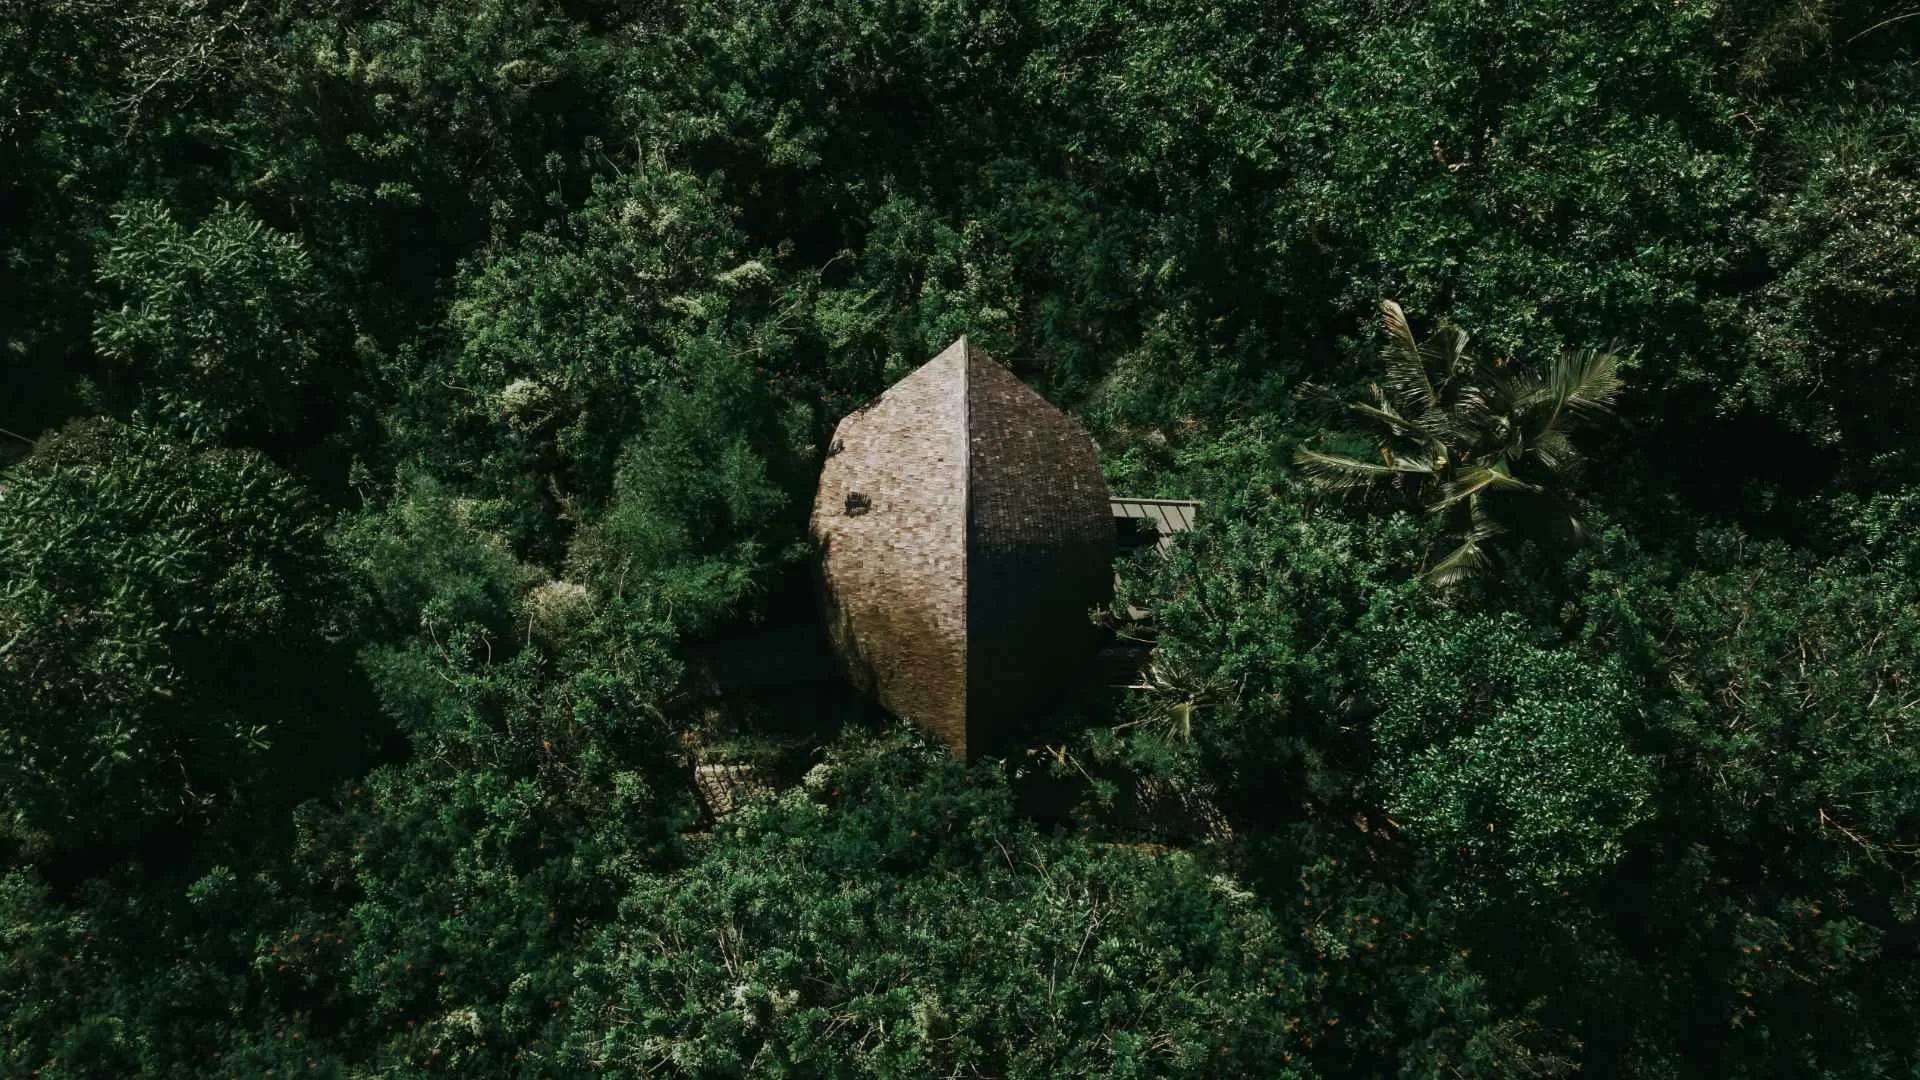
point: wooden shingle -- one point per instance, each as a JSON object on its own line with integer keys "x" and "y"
{"x": 965, "y": 534}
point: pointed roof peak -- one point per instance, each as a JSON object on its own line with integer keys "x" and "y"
{"x": 968, "y": 352}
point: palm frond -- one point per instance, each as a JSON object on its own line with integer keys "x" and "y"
{"x": 1504, "y": 388}
{"x": 1474, "y": 421}
{"x": 1553, "y": 450}
{"x": 1446, "y": 350}
{"x": 1333, "y": 472}
{"x": 1476, "y": 479}
{"x": 1468, "y": 560}
{"x": 1588, "y": 380}
{"x": 1473, "y": 556}
{"x": 1484, "y": 525}
{"x": 1468, "y": 423}
{"x": 1575, "y": 528}
{"x": 1406, "y": 364}
{"x": 1384, "y": 413}
{"x": 1313, "y": 391}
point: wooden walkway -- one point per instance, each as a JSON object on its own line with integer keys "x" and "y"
{"x": 1168, "y": 515}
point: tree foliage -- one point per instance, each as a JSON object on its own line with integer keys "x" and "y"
{"x": 1469, "y": 438}
{"x": 406, "y": 402}
{"x": 167, "y": 616}
{"x": 219, "y": 320}
{"x": 1513, "y": 757}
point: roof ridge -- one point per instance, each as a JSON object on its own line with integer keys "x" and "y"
{"x": 966, "y": 533}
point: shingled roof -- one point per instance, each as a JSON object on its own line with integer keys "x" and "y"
{"x": 965, "y": 533}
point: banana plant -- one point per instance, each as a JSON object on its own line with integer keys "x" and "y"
{"x": 1483, "y": 445}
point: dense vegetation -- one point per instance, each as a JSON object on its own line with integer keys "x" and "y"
{"x": 400, "y": 393}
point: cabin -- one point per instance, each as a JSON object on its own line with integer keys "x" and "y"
{"x": 965, "y": 530}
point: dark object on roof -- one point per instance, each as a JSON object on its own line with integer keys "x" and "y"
{"x": 959, "y": 598}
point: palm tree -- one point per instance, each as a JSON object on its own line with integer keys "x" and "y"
{"x": 1483, "y": 445}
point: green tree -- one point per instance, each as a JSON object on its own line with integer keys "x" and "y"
{"x": 165, "y": 624}
{"x": 1823, "y": 334}
{"x": 1509, "y": 757}
{"x": 562, "y": 343}
{"x": 891, "y": 917}
{"x": 540, "y": 780}
{"x": 1483, "y": 448}
{"x": 220, "y": 328}
{"x": 707, "y": 503}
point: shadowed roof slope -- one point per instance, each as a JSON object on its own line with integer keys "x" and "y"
{"x": 964, "y": 533}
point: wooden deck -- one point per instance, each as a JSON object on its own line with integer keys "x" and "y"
{"x": 1168, "y": 515}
